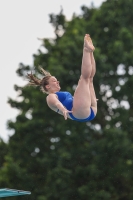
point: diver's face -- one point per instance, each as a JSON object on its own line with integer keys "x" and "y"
{"x": 53, "y": 85}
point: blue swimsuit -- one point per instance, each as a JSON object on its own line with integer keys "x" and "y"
{"x": 67, "y": 100}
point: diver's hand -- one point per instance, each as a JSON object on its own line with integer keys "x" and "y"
{"x": 65, "y": 112}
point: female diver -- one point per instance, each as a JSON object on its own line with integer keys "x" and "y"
{"x": 82, "y": 106}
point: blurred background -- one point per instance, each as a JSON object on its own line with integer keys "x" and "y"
{"x": 40, "y": 151}
{"x": 22, "y": 23}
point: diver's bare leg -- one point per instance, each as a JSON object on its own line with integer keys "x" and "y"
{"x": 82, "y": 95}
{"x": 92, "y": 91}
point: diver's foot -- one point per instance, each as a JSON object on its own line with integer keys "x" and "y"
{"x": 88, "y": 45}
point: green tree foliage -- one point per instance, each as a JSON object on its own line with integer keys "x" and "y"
{"x": 60, "y": 160}
{"x": 3, "y": 151}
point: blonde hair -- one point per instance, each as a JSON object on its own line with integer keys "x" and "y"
{"x": 34, "y": 81}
